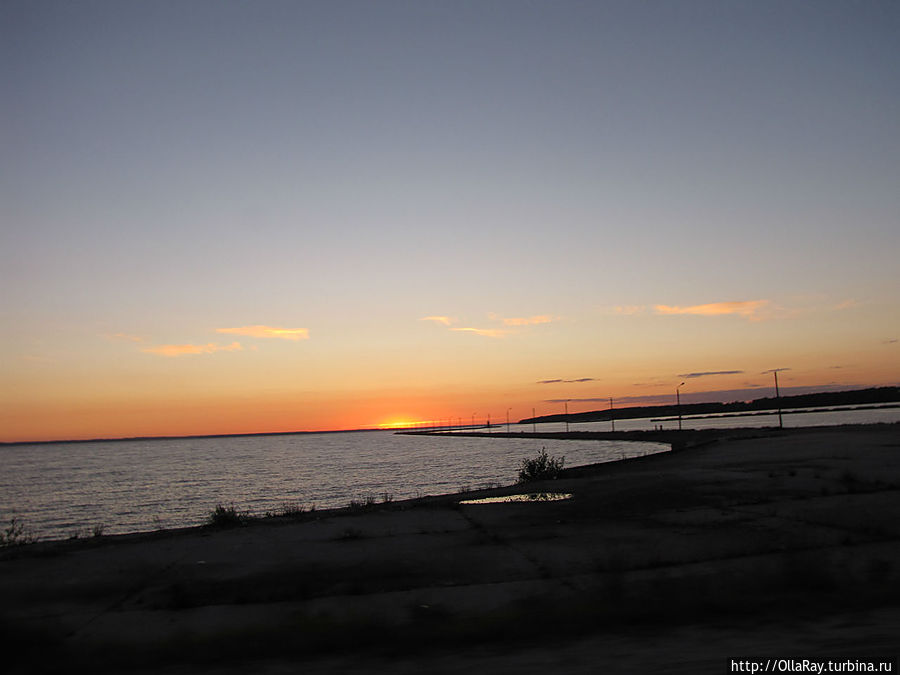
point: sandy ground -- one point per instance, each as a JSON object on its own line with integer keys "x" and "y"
{"x": 742, "y": 545}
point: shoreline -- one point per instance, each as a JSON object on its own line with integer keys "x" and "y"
{"x": 726, "y": 547}
{"x": 676, "y": 440}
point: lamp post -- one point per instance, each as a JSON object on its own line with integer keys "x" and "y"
{"x": 567, "y": 414}
{"x": 533, "y": 422}
{"x": 678, "y": 403}
{"x": 612, "y": 420}
{"x": 473, "y": 420}
{"x": 507, "y": 419}
{"x": 778, "y": 399}
{"x": 489, "y": 422}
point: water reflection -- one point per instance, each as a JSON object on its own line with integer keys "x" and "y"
{"x": 530, "y": 497}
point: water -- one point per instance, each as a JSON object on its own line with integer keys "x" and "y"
{"x": 61, "y": 489}
{"x": 798, "y": 417}
{"x": 58, "y": 490}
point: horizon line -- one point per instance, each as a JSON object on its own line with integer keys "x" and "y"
{"x": 114, "y": 439}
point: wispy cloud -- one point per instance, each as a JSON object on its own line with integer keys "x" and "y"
{"x": 691, "y": 376}
{"x": 749, "y": 309}
{"x": 577, "y": 400}
{"x": 891, "y": 341}
{"x": 512, "y": 322}
{"x": 268, "y": 332}
{"x": 774, "y": 370}
{"x": 558, "y": 380}
{"x": 187, "y": 350}
{"x": 524, "y": 321}
{"x": 445, "y": 320}
{"x": 486, "y": 332}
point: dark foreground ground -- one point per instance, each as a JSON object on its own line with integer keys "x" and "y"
{"x": 763, "y": 544}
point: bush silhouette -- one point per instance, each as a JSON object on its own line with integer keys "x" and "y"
{"x": 542, "y": 467}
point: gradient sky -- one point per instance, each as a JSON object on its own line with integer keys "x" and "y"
{"x": 223, "y": 217}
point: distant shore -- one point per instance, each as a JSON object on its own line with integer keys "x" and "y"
{"x": 678, "y": 439}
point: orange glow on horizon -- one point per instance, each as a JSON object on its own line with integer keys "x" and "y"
{"x": 400, "y": 424}
{"x": 159, "y": 411}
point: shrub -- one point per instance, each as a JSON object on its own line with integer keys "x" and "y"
{"x": 225, "y": 516}
{"x": 15, "y": 534}
{"x": 542, "y": 467}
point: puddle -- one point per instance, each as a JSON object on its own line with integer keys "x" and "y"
{"x": 531, "y": 497}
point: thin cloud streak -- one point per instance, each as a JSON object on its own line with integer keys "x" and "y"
{"x": 576, "y": 400}
{"x": 190, "y": 350}
{"x": 556, "y": 381}
{"x": 524, "y": 321}
{"x": 691, "y": 376}
{"x": 748, "y": 309}
{"x": 268, "y": 332}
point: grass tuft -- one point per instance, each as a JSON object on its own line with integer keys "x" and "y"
{"x": 15, "y": 534}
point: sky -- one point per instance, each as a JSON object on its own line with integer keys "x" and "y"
{"x": 236, "y": 217}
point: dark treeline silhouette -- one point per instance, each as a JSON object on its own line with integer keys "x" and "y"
{"x": 832, "y": 398}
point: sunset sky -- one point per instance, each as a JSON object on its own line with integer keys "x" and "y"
{"x": 230, "y": 217}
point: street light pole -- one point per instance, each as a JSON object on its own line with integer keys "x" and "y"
{"x": 533, "y": 422}
{"x": 678, "y": 403}
{"x": 612, "y": 420}
{"x": 507, "y": 419}
{"x": 778, "y": 400}
{"x": 567, "y": 415}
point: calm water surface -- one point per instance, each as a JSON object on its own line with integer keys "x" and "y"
{"x": 798, "y": 417}
{"x": 59, "y": 489}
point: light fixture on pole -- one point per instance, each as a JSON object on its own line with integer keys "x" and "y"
{"x": 678, "y": 403}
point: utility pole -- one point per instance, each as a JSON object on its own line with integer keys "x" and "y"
{"x": 678, "y": 403}
{"x": 778, "y": 400}
{"x": 612, "y": 420}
